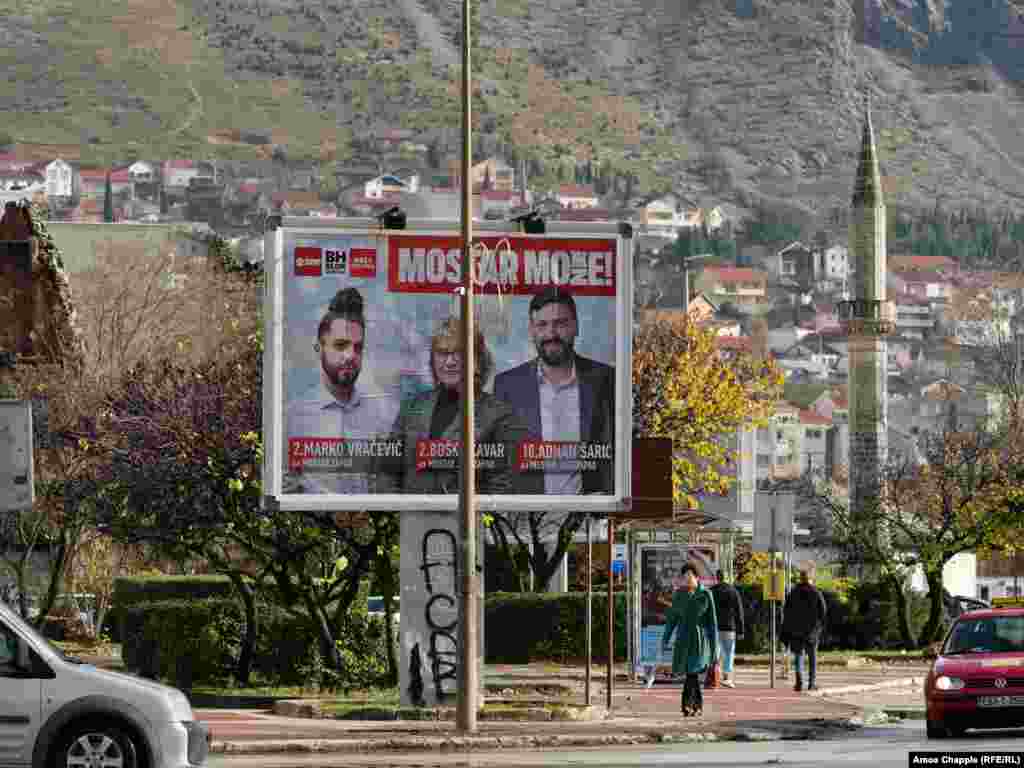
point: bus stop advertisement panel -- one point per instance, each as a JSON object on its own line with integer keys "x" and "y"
{"x": 361, "y": 329}
{"x": 659, "y": 580}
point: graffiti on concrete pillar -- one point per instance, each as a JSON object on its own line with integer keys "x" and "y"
{"x": 439, "y": 552}
{"x": 416, "y": 677}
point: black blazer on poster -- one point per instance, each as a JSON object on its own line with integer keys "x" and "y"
{"x": 519, "y": 388}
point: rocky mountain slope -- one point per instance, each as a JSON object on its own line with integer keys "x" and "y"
{"x": 738, "y": 100}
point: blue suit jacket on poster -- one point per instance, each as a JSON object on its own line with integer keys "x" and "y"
{"x": 519, "y": 388}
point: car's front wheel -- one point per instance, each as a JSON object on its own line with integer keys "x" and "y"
{"x": 936, "y": 730}
{"x": 96, "y": 745}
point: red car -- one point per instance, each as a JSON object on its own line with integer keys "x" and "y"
{"x": 977, "y": 681}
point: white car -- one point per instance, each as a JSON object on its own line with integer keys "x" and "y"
{"x": 56, "y": 712}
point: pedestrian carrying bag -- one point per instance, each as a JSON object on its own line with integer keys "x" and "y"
{"x": 714, "y": 676}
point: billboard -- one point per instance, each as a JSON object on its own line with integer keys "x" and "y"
{"x": 659, "y": 580}
{"x": 17, "y": 486}
{"x": 364, "y": 366}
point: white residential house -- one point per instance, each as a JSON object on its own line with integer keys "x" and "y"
{"x": 386, "y": 186}
{"x": 836, "y": 265}
{"x": 62, "y": 180}
{"x": 577, "y": 196}
{"x": 496, "y": 171}
{"x": 713, "y": 218}
{"x": 980, "y": 333}
{"x": 661, "y": 217}
{"x": 142, "y": 172}
{"x": 498, "y": 204}
{"x": 915, "y": 318}
{"x": 178, "y": 173}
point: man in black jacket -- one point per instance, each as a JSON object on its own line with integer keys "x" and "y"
{"x": 803, "y": 622}
{"x": 729, "y": 608}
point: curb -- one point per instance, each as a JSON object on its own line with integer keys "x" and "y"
{"x": 906, "y": 713}
{"x": 769, "y": 731}
{"x": 451, "y": 743}
{"x": 495, "y": 710}
{"x": 902, "y": 682}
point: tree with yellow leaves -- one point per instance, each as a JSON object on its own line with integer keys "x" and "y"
{"x": 964, "y": 493}
{"x": 684, "y": 389}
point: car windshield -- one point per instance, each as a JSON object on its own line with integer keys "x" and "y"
{"x": 1000, "y": 634}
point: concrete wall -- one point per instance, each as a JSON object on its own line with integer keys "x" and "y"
{"x": 429, "y": 628}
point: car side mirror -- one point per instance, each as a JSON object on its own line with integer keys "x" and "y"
{"x": 23, "y": 658}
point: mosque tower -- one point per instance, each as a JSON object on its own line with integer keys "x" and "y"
{"x": 867, "y": 319}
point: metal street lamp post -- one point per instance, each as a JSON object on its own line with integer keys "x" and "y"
{"x": 468, "y": 683}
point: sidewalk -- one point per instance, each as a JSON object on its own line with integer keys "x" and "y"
{"x": 751, "y": 711}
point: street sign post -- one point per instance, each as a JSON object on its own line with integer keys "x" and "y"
{"x": 773, "y": 532}
{"x": 17, "y": 482}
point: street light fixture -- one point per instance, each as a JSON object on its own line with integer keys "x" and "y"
{"x": 685, "y": 267}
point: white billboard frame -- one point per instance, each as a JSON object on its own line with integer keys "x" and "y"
{"x": 16, "y": 415}
{"x": 273, "y": 370}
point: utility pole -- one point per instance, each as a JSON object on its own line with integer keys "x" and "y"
{"x": 468, "y": 640}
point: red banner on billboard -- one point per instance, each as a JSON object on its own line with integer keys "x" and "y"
{"x": 338, "y": 453}
{"x": 307, "y": 261}
{"x": 514, "y": 265}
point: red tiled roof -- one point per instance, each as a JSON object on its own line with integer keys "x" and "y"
{"x": 497, "y": 195}
{"x": 576, "y": 190}
{"x": 375, "y": 202}
{"x": 838, "y": 401}
{"x": 583, "y": 214}
{"x": 922, "y": 262}
{"x": 739, "y": 343}
{"x": 181, "y": 165}
{"x": 738, "y": 274}
{"x": 812, "y": 417}
{"x": 248, "y": 189}
{"x": 121, "y": 176}
{"x": 911, "y": 277}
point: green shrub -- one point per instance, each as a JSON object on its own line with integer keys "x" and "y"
{"x": 198, "y": 641}
{"x": 133, "y": 590}
{"x": 184, "y": 642}
{"x": 865, "y": 618}
{"x": 524, "y": 627}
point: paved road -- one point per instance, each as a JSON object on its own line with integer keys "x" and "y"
{"x": 871, "y": 748}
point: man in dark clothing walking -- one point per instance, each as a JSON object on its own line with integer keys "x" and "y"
{"x": 729, "y": 609}
{"x": 803, "y": 622}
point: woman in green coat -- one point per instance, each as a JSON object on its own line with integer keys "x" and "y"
{"x": 692, "y": 618}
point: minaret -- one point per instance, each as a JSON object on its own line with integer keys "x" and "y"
{"x": 867, "y": 318}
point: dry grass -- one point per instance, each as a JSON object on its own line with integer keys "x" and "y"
{"x": 155, "y": 24}
{"x": 37, "y": 152}
{"x": 281, "y": 88}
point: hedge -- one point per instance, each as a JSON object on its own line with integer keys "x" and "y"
{"x": 188, "y": 642}
{"x": 132, "y": 590}
{"x": 523, "y": 627}
{"x": 129, "y": 590}
{"x": 866, "y": 619}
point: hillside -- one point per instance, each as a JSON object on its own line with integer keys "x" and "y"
{"x": 743, "y": 100}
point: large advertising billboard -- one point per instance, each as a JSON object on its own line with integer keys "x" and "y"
{"x": 660, "y": 579}
{"x": 364, "y": 406}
